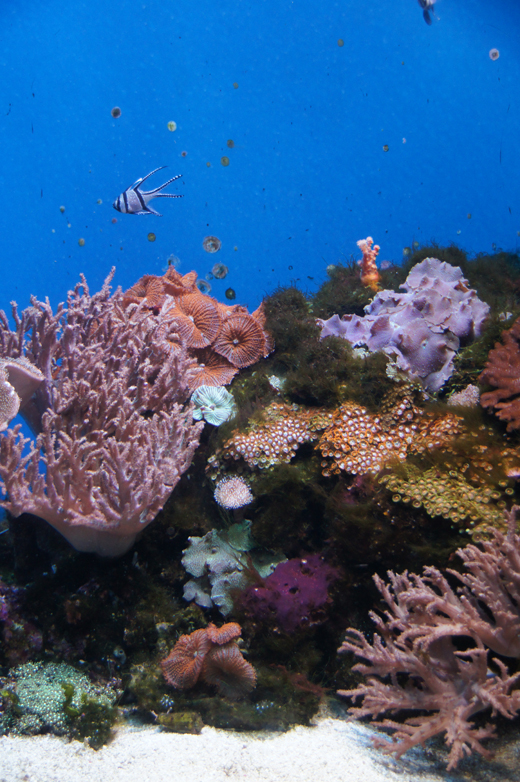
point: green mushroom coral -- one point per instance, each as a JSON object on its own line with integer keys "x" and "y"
{"x": 215, "y": 405}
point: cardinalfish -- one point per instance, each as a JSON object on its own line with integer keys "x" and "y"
{"x": 427, "y": 6}
{"x": 134, "y": 201}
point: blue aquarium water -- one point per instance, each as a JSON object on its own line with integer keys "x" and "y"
{"x": 339, "y": 121}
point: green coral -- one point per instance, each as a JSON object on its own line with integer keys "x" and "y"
{"x": 56, "y": 698}
{"x": 451, "y": 496}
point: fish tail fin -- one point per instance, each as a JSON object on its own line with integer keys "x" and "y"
{"x": 158, "y": 189}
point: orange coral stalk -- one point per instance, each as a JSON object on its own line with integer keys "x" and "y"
{"x": 369, "y": 271}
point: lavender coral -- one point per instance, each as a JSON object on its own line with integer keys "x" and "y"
{"x": 421, "y": 328}
{"x": 112, "y": 436}
{"x": 416, "y": 638}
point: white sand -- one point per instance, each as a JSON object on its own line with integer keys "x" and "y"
{"x": 332, "y": 751}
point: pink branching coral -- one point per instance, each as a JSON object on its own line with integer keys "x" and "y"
{"x": 112, "y": 435}
{"x": 503, "y": 371}
{"x": 416, "y": 639}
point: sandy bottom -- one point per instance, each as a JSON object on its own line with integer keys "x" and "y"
{"x": 332, "y": 751}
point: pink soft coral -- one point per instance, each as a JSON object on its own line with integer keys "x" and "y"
{"x": 413, "y": 663}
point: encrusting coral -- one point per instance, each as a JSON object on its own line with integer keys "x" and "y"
{"x": 359, "y": 442}
{"x": 420, "y": 637}
{"x": 449, "y": 494}
{"x": 211, "y": 654}
{"x": 111, "y": 430}
{"x": 503, "y": 371}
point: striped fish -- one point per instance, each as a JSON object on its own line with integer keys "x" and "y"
{"x": 135, "y": 202}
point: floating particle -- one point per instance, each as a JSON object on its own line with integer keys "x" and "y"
{"x": 459, "y": 231}
{"x": 224, "y": 160}
{"x": 230, "y": 294}
{"x": 494, "y": 54}
{"x": 211, "y": 244}
{"x": 81, "y": 242}
{"x": 235, "y": 248}
{"x": 203, "y": 286}
{"x": 114, "y": 220}
{"x": 208, "y": 164}
{"x": 172, "y": 125}
{"x": 209, "y": 276}
{"x": 151, "y": 237}
{"x": 99, "y": 201}
{"x": 230, "y": 143}
{"x": 386, "y": 148}
{"x": 415, "y": 245}
{"x": 62, "y": 209}
{"x": 469, "y": 215}
{"x": 219, "y": 271}
{"x": 404, "y": 141}
{"x": 183, "y": 153}
{"x": 290, "y": 268}
{"x": 341, "y": 42}
{"x": 174, "y": 261}
{"x": 407, "y": 251}
{"x": 235, "y": 85}
{"x": 116, "y": 112}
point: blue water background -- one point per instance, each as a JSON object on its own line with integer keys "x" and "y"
{"x": 308, "y": 175}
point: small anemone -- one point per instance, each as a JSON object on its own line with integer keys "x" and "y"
{"x": 214, "y": 404}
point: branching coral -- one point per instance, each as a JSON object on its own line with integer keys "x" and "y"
{"x": 503, "y": 371}
{"x": 419, "y": 637}
{"x": 113, "y": 437}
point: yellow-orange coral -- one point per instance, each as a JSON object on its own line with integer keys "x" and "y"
{"x": 360, "y": 442}
{"x": 276, "y": 440}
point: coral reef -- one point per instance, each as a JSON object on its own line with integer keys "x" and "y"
{"x": 232, "y": 493}
{"x": 421, "y": 328}
{"x": 112, "y": 434}
{"x": 419, "y": 637}
{"x": 503, "y": 371}
{"x": 276, "y": 439}
{"x": 211, "y": 654}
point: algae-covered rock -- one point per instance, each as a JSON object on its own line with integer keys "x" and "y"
{"x": 181, "y": 722}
